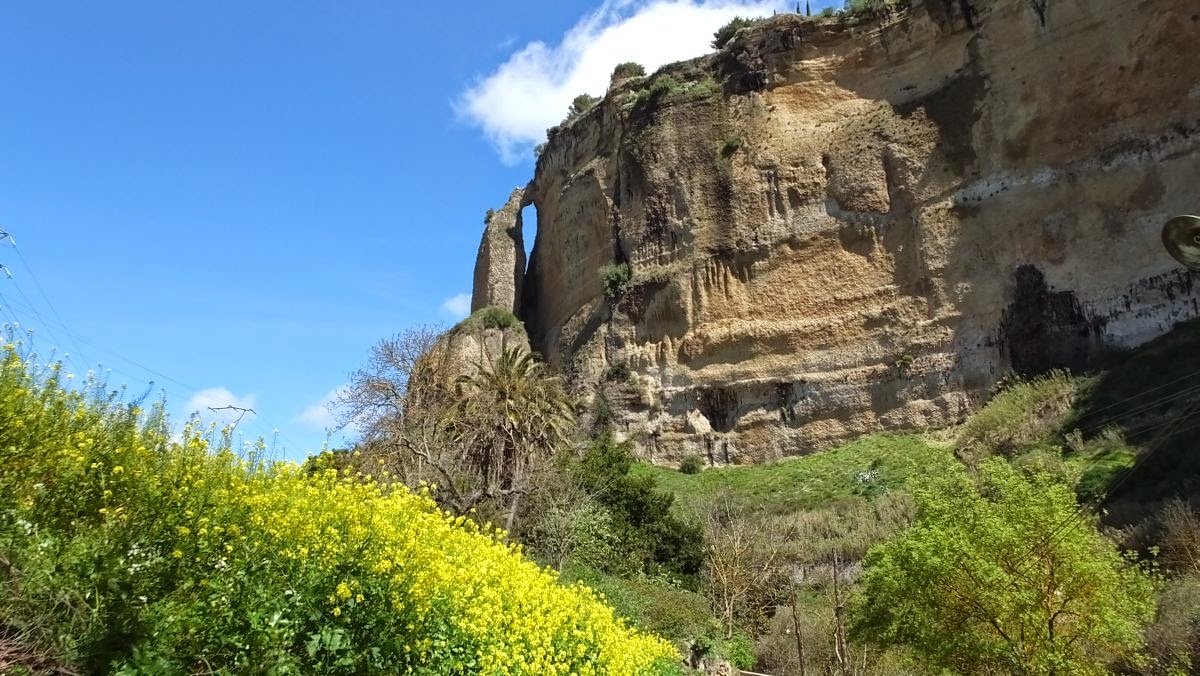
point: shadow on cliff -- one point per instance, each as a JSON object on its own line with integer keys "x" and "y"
{"x": 1152, "y": 396}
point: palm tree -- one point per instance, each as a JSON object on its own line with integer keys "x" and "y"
{"x": 511, "y": 417}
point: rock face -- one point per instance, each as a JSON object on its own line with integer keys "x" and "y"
{"x": 500, "y": 264}
{"x": 840, "y": 226}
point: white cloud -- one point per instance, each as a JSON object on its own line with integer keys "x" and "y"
{"x": 220, "y": 397}
{"x": 458, "y": 306}
{"x": 533, "y": 89}
{"x": 319, "y": 416}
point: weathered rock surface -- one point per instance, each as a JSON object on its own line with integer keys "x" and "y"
{"x": 500, "y": 264}
{"x": 841, "y": 226}
{"x": 460, "y": 352}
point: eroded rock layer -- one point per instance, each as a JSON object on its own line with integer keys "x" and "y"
{"x": 846, "y": 225}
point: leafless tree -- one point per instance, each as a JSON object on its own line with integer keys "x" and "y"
{"x": 740, "y": 560}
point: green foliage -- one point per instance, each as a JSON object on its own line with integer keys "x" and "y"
{"x": 602, "y": 413}
{"x": 649, "y": 603}
{"x": 739, "y": 650}
{"x": 487, "y": 217}
{"x": 657, "y": 540}
{"x": 725, "y": 33}
{"x": 1026, "y": 413}
{"x": 691, "y": 464}
{"x": 131, "y": 551}
{"x": 539, "y": 149}
{"x": 827, "y": 13}
{"x": 490, "y": 317}
{"x": 614, "y": 279}
{"x": 1145, "y": 394}
{"x": 865, "y": 467}
{"x": 580, "y": 105}
{"x": 1101, "y": 460}
{"x": 627, "y": 70}
{"x": 651, "y": 93}
{"x": 1004, "y": 576}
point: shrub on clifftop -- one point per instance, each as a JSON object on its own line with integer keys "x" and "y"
{"x": 725, "y": 33}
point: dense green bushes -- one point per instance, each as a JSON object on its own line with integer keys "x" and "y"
{"x": 652, "y": 536}
{"x": 125, "y": 550}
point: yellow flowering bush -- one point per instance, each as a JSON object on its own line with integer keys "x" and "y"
{"x": 128, "y": 551}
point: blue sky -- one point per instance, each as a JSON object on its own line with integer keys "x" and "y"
{"x": 236, "y": 200}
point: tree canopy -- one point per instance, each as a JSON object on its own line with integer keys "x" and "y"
{"x": 1002, "y": 574}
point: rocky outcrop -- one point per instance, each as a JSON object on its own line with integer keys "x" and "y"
{"x": 500, "y": 263}
{"x": 458, "y": 353}
{"x": 840, "y": 226}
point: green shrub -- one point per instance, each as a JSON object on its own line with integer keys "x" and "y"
{"x": 627, "y": 70}
{"x": 1003, "y": 574}
{"x": 602, "y": 413}
{"x": 739, "y": 650}
{"x": 692, "y": 464}
{"x": 725, "y": 33}
{"x": 650, "y": 604}
{"x": 1027, "y": 413}
{"x": 614, "y": 279}
{"x": 1102, "y": 459}
{"x": 490, "y": 317}
{"x": 654, "y": 537}
{"x": 580, "y": 105}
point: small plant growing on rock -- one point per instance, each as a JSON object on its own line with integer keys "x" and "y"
{"x": 614, "y": 279}
{"x": 618, "y": 373}
{"x": 490, "y": 317}
{"x": 725, "y": 33}
{"x": 627, "y": 70}
{"x": 602, "y": 413}
{"x": 581, "y": 104}
{"x": 731, "y": 145}
{"x": 692, "y": 464}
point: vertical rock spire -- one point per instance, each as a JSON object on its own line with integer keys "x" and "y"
{"x": 500, "y": 263}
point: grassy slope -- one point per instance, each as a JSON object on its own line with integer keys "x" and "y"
{"x": 866, "y": 467}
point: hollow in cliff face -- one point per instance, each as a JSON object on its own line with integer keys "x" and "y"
{"x": 1044, "y": 330}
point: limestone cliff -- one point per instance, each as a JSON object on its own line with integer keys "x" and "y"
{"x": 500, "y": 263}
{"x": 845, "y": 225}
